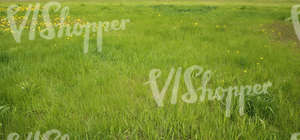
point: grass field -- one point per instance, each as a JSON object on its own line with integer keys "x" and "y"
{"x": 52, "y": 84}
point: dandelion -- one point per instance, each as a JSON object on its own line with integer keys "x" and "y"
{"x": 257, "y": 63}
{"x": 261, "y": 58}
{"x": 237, "y": 52}
{"x": 217, "y": 26}
{"x": 159, "y": 15}
{"x": 196, "y": 23}
{"x": 245, "y": 71}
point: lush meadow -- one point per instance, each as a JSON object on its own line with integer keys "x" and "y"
{"x": 52, "y": 84}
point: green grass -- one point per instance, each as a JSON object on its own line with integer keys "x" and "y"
{"x": 52, "y": 84}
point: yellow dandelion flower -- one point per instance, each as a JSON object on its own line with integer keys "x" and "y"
{"x": 245, "y": 71}
{"x": 238, "y": 52}
{"x": 261, "y": 58}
